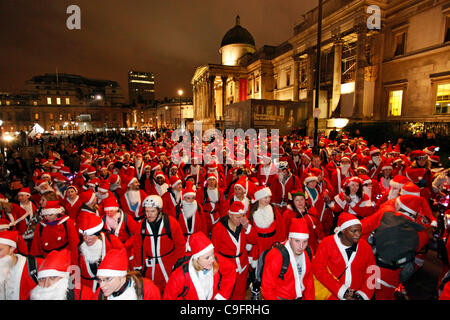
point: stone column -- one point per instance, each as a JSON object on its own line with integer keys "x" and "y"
{"x": 211, "y": 104}
{"x": 311, "y": 66}
{"x": 224, "y": 95}
{"x": 296, "y": 89}
{"x": 361, "y": 63}
{"x": 337, "y": 75}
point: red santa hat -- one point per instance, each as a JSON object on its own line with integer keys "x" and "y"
{"x": 65, "y": 170}
{"x": 110, "y": 204}
{"x": 9, "y": 238}
{"x": 114, "y": 264}
{"x": 87, "y": 197}
{"x": 415, "y": 174}
{"x": 199, "y": 244}
{"x": 46, "y": 175}
{"x": 93, "y": 182}
{"x": 417, "y": 154}
{"x": 374, "y": 150}
{"x": 72, "y": 187}
{"x": 91, "y": 170}
{"x": 363, "y": 168}
{"x": 237, "y": 207}
{"x": 398, "y": 181}
{"x": 103, "y": 186}
{"x": 410, "y": 188}
{"x": 409, "y": 203}
{"x": 114, "y": 179}
{"x": 174, "y": 180}
{"x": 365, "y": 179}
{"x": 189, "y": 190}
{"x": 52, "y": 207}
{"x": 298, "y": 229}
{"x": 345, "y": 221}
{"x": 351, "y": 180}
{"x": 429, "y": 150}
{"x": 129, "y": 180}
{"x": 89, "y": 223}
{"x": 308, "y": 154}
{"x": 24, "y": 192}
{"x": 261, "y": 192}
{"x": 387, "y": 164}
{"x": 56, "y": 264}
{"x": 435, "y": 159}
{"x": 242, "y": 182}
{"x": 160, "y": 174}
{"x": 211, "y": 176}
{"x": 310, "y": 177}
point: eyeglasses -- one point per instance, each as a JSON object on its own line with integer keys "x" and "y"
{"x": 107, "y": 280}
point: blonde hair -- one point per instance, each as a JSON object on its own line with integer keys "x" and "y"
{"x": 197, "y": 266}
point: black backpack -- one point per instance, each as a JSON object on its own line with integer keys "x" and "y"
{"x": 285, "y": 264}
{"x": 395, "y": 241}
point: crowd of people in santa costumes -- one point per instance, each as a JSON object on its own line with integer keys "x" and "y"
{"x": 140, "y": 225}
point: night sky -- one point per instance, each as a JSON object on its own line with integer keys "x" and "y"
{"x": 167, "y": 37}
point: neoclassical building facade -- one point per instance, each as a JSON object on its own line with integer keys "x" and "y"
{"x": 396, "y": 71}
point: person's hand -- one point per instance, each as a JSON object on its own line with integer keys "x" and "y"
{"x": 244, "y": 221}
{"x": 348, "y": 295}
{"x": 347, "y": 198}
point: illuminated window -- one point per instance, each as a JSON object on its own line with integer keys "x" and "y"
{"x": 49, "y": 100}
{"x": 50, "y": 116}
{"x": 35, "y": 103}
{"x": 395, "y": 102}
{"x": 67, "y": 100}
{"x": 443, "y": 99}
{"x": 8, "y": 102}
{"x": 400, "y": 44}
{"x": 58, "y": 100}
{"x": 36, "y": 116}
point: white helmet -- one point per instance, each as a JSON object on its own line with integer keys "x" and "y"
{"x": 153, "y": 201}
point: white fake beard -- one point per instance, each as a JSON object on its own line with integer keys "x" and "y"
{"x": 56, "y": 291}
{"x": 138, "y": 163}
{"x": 263, "y": 217}
{"x": 5, "y": 267}
{"x": 111, "y": 222}
{"x": 213, "y": 195}
{"x": 189, "y": 208}
{"x": 114, "y": 186}
{"x": 134, "y": 196}
{"x": 376, "y": 160}
{"x": 393, "y": 193}
{"x": 101, "y": 196}
{"x": 177, "y": 195}
{"x": 161, "y": 189}
{"x": 92, "y": 253}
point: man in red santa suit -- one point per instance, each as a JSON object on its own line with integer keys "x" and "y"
{"x": 239, "y": 194}
{"x": 93, "y": 247}
{"x": 417, "y": 176}
{"x": 203, "y": 276}
{"x": 55, "y": 232}
{"x": 131, "y": 200}
{"x": 72, "y": 202}
{"x": 283, "y": 185}
{"x": 395, "y": 185}
{"x": 217, "y": 171}
{"x": 15, "y": 280}
{"x": 250, "y": 184}
{"x": 118, "y": 283}
{"x": 297, "y": 283}
{"x": 115, "y": 186}
{"x": 139, "y": 165}
{"x": 159, "y": 185}
{"x": 103, "y": 193}
{"x": 121, "y": 225}
{"x": 172, "y": 197}
{"x": 212, "y": 201}
{"x": 55, "y": 282}
{"x": 391, "y": 279}
{"x": 196, "y": 171}
{"x": 230, "y": 236}
{"x": 30, "y": 209}
{"x": 189, "y": 212}
{"x": 373, "y": 162}
{"x": 162, "y": 242}
{"x": 267, "y": 170}
{"x": 343, "y": 262}
{"x": 294, "y": 160}
{"x": 340, "y": 174}
{"x": 41, "y": 186}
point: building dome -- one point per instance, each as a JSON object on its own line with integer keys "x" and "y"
{"x": 237, "y": 35}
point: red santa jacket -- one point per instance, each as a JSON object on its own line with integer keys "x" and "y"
{"x": 72, "y": 209}
{"x": 293, "y": 285}
{"x": 169, "y": 201}
{"x": 231, "y": 245}
{"x": 267, "y": 175}
{"x": 159, "y": 251}
{"x": 138, "y": 212}
{"x": 212, "y": 210}
{"x": 55, "y": 236}
{"x": 88, "y": 271}
{"x": 337, "y": 272}
{"x": 337, "y": 179}
{"x": 197, "y": 224}
{"x": 20, "y": 283}
{"x": 250, "y": 189}
{"x": 362, "y": 208}
{"x": 281, "y": 191}
{"x": 20, "y": 216}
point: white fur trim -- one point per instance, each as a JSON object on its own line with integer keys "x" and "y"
{"x": 308, "y": 179}
{"x": 52, "y": 273}
{"x": 202, "y": 252}
{"x": 111, "y": 273}
{"x": 298, "y": 235}
{"x": 265, "y": 192}
{"x": 111, "y": 208}
{"x": 347, "y": 224}
{"x": 8, "y": 242}
{"x": 404, "y": 207}
{"x": 91, "y": 231}
{"x": 45, "y": 212}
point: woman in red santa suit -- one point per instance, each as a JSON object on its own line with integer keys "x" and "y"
{"x": 189, "y": 213}
{"x": 15, "y": 280}
{"x": 385, "y": 176}
{"x": 267, "y": 171}
{"x": 239, "y": 195}
{"x": 93, "y": 247}
{"x": 268, "y": 223}
{"x": 162, "y": 242}
{"x": 119, "y": 283}
{"x": 230, "y": 236}
{"x": 54, "y": 281}
{"x": 212, "y": 201}
{"x": 343, "y": 262}
{"x": 124, "y": 227}
{"x": 353, "y": 199}
{"x": 172, "y": 197}
{"x": 297, "y": 283}
{"x": 298, "y": 208}
{"x": 72, "y": 202}
{"x": 55, "y": 232}
{"x": 315, "y": 199}
{"x": 201, "y": 277}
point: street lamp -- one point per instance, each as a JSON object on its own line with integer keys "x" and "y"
{"x": 180, "y": 94}
{"x": 316, "y": 111}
